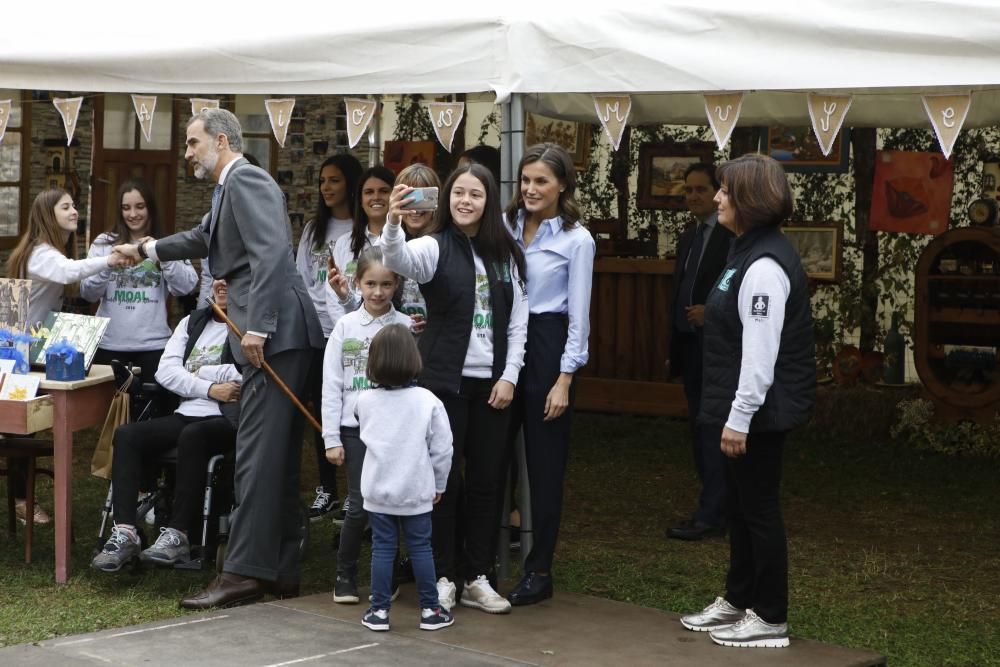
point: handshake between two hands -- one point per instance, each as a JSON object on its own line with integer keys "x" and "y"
{"x": 126, "y": 254}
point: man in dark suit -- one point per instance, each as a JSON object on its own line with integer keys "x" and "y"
{"x": 248, "y": 242}
{"x": 701, "y": 257}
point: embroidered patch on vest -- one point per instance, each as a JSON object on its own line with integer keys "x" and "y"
{"x": 760, "y": 306}
{"x": 726, "y": 279}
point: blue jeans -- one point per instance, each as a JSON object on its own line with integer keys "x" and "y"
{"x": 385, "y": 536}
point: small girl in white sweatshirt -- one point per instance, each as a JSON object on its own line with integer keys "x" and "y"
{"x": 408, "y": 458}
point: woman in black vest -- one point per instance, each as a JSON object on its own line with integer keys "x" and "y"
{"x": 759, "y": 383}
{"x": 545, "y": 221}
{"x": 472, "y": 349}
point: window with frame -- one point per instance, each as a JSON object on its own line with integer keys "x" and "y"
{"x": 13, "y": 170}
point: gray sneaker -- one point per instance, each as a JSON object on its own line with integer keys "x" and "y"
{"x": 752, "y": 632}
{"x": 121, "y": 548}
{"x": 170, "y": 547}
{"x": 720, "y": 614}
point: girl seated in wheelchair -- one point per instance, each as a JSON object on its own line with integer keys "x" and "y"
{"x": 196, "y": 366}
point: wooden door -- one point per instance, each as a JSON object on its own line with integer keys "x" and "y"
{"x": 113, "y": 166}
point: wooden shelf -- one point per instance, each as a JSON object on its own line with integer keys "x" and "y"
{"x": 972, "y": 316}
{"x": 960, "y": 278}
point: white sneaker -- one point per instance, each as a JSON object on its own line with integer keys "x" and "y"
{"x": 480, "y": 595}
{"x": 446, "y": 593}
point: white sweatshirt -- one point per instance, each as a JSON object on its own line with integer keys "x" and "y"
{"x": 408, "y": 450}
{"x": 135, "y": 298}
{"x": 345, "y": 363}
{"x": 348, "y": 265}
{"x": 418, "y": 259}
{"x": 49, "y": 272}
{"x": 763, "y": 294}
{"x": 191, "y": 380}
{"x": 311, "y": 258}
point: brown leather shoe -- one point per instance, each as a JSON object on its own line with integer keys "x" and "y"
{"x": 226, "y": 590}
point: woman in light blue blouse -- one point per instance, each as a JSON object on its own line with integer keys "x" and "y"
{"x": 545, "y": 220}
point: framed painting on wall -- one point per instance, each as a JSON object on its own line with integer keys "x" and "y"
{"x": 819, "y": 248}
{"x": 574, "y": 137}
{"x": 401, "y": 154}
{"x": 661, "y": 172}
{"x": 797, "y": 150}
{"x": 911, "y": 192}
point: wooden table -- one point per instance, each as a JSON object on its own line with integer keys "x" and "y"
{"x": 64, "y": 407}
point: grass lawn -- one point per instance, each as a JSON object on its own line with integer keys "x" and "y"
{"x": 890, "y": 550}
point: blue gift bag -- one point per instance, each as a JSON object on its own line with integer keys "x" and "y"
{"x": 64, "y": 362}
{"x": 15, "y": 346}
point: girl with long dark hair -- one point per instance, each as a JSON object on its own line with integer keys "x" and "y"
{"x": 135, "y": 298}
{"x": 470, "y": 272}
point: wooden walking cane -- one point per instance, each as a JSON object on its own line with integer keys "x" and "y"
{"x": 270, "y": 371}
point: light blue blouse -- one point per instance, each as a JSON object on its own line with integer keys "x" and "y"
{"x": 560, "y": 274}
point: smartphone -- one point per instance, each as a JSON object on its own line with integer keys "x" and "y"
{"x": 422, "y": 199}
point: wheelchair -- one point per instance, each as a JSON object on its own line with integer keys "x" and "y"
{"x": 209, "y": 548}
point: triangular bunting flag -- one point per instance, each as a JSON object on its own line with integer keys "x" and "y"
{"x": 199, "y": 103}
{"x": 69, "y": 109}
{"x": 359, "y": 115}
{"x": 947, "y": 114}
{"x": 145, "y": 106}
{"x": 4, "y": 117}
{"x": 280, "y": 111}
{"x": 828, "y": 113}
{"x": 613, "y": 112}
{"x": 446, "y": 117}
{"x": 723, "y": 110}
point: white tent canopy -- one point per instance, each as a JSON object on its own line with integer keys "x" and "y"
{"x": 667, "y": 53}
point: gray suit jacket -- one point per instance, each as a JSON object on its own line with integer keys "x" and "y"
{"x": 249, "y": 244}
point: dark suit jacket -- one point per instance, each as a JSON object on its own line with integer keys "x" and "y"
{"x": 249, "y": 244}
{"x": 713, "y": 261}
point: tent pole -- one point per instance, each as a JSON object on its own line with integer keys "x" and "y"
{"x": 511, "y": 151}
{"x": 375, "y": 134}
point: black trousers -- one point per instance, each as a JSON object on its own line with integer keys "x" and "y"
{"x": 709, "y": 460}
{"x": 480, "y": 442}
{"x": 546, "y": 443}
{"x": 758, "y": 548}
{"x": 137, "y": 445}
{"x": 266, "y": 532}
{"x": 327, "y": 471}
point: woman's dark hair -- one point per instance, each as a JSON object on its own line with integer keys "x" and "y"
{"x": 494, "y": 244}
{"x": 351, "y": 170}
{"x": 560, "y": 163}
{"x": 393, "y": 358}
{"x": 121, "y": 233}
{"x": 488, "y": 156}
{"x": 758, "y": 191}
{"x": 385, "y": 175}
{"x": 703, "y": 168}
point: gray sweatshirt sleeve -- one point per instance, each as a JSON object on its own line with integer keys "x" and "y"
{"x": 763, "y": 294}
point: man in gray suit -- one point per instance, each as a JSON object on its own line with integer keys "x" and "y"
{"x": 248, "y": 242}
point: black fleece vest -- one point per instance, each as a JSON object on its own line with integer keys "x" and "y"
{"x": 197, "y": 321}
{"x": 790, "y": 399}
{"x": 451, "y": 300}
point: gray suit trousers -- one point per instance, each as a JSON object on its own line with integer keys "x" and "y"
{"x": 268, "y": 449}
